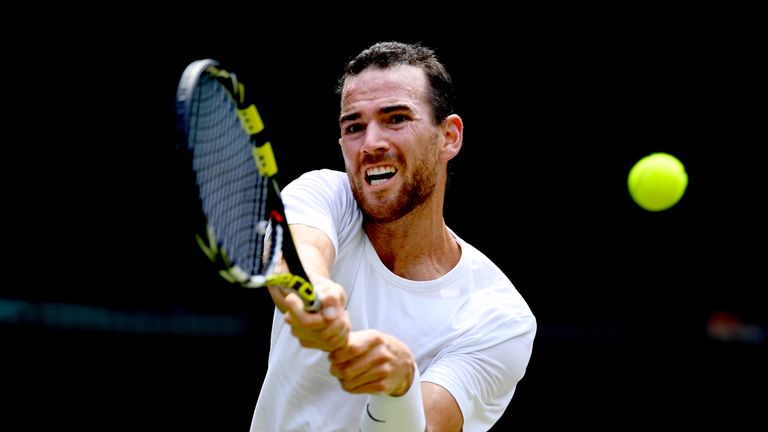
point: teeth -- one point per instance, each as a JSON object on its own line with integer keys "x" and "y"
{"x": 380, "y": 170}
{"x": 380, "y": 174}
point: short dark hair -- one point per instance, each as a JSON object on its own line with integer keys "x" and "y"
{"x": 388, "y": 54}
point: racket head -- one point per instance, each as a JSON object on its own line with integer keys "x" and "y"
{"x": 240, "y": 222}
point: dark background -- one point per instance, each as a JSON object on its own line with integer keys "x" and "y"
{"x": 110, "y": 317}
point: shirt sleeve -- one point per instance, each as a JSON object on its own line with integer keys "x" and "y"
{"x": 481, "y": 371}
{"x": 317, "y": 199}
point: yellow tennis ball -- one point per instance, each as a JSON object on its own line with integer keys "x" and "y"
{"x": 657, "y": 181}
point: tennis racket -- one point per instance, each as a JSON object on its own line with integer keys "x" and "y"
{"x": 241, "y": 224}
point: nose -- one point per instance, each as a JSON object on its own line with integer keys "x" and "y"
{"x": 375, "y": 139}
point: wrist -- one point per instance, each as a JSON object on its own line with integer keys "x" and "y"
{"x": 384, "y": 413}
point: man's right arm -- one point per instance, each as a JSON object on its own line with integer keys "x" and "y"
{"x": 328, "y": 329}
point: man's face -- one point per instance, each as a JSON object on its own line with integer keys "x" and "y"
{"x": 389, "y": 141}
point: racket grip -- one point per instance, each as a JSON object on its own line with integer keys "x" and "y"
{"x": 312, "y": 305}
{"x": 298, "y": 284}
{"x": 306, "y": 292}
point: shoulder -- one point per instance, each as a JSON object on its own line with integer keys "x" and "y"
{"x": 323, "y": 199}
{"x": 484, "y": 270}
{"x": 325, "y": 179}
{"x": 319, "y": 188}
{"x": 494, "y": 297}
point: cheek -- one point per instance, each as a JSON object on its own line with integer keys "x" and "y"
{"x": 349, "y": 152}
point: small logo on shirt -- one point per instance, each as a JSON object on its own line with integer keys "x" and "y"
{"x": 372, "y": 417}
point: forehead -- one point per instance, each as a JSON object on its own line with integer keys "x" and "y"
{"x": 400, "y": 83}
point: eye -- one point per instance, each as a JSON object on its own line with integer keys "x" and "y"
{"x": 398, "y": 118}
{"x": 352, "y": 128}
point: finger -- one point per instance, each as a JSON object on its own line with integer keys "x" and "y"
{"x": 333, "y": 297}
{"x": 328, "y": 345}
{"x": 361, "y": 365}
{"x": 330, "y": 310}
{"x": 336, "y": 335}
{"x": 278, "y": 296}
{"x": 296, "y": 315}
{"x": 359, "y": 343}
{"x": 338, "y": 341}
{"x": 347, "y": 352}
{"x": 286, "y": 299}
{"x": 378, "y": 379}
{"x": 305, "y": 322}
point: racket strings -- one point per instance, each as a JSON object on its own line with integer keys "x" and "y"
{"x": 233, "y": 192}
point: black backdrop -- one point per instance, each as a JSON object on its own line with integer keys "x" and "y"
{"x": 112, "y": 319}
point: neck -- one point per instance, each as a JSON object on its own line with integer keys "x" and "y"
{"x": 418, "y": 246}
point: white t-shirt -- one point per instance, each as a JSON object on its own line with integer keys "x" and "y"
{"x": 470, "y": 330}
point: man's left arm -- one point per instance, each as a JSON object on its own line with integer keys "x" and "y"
{"x": 383, "y": 367}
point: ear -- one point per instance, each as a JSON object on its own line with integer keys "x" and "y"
{"x": 453, "y": 135}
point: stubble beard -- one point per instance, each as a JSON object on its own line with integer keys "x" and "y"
{"x": 414, "y": 192}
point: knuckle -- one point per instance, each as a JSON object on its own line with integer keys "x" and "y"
{"x": 345, "y": 373}
{"x": 386, "y": 369}
{"x": 377, "y": 339}
{"x": 378, "y": 386}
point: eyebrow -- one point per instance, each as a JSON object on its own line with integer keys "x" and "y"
{"x": 385, "y": 110}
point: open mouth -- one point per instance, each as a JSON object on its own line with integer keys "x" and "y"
{"x": 379, "y": 175}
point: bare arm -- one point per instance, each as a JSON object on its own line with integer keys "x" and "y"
{"x": 328, "y": 329}
{"x": 317, "y": 256}
{"x": 441, "y": 409}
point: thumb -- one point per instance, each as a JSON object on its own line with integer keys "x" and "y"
{"x": 331, "y": 307}
{"x": 331, "y": 294}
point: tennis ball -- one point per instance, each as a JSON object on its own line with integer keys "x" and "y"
{"x": 657, "y": 181}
